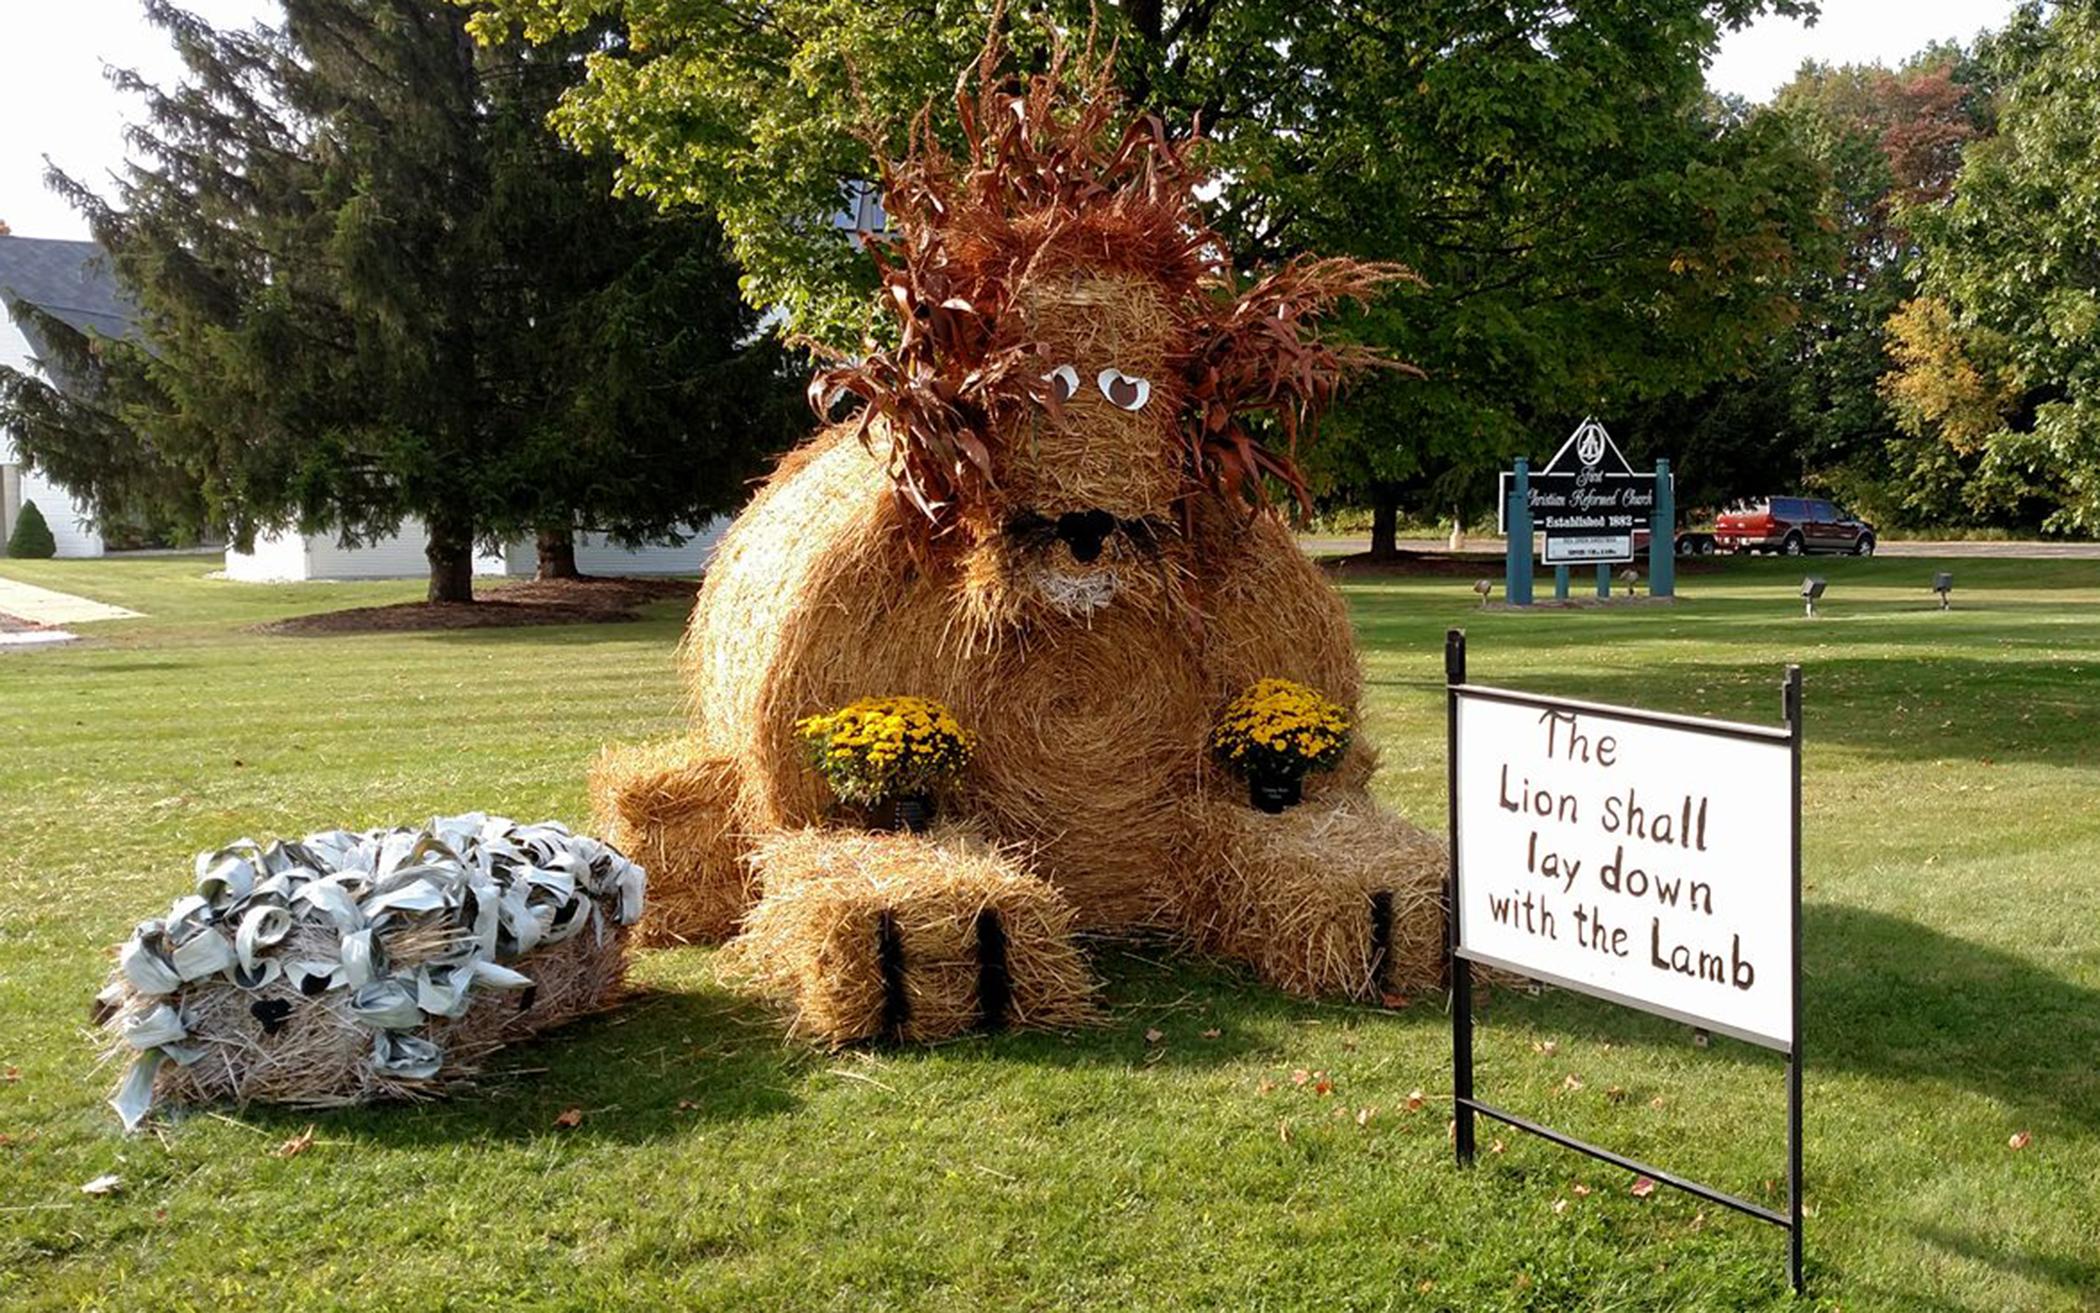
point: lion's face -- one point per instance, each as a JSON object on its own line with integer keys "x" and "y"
{"x": 1089, "y": 483}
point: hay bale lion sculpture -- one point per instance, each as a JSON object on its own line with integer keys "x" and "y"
{"x": 1047, "y": 514}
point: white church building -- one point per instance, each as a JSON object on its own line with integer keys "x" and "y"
{"x": 67, "y": 281}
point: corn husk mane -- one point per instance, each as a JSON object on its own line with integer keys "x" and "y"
{"x": 1049, "y": 187}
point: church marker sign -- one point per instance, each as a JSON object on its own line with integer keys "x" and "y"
{"x": 1587, "y": 501}
{"x": 1649, "y": 859}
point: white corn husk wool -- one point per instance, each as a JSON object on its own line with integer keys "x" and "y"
{"x": 342, "y": 966}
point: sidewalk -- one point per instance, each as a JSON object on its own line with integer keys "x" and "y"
{"x": 45, "y": 606}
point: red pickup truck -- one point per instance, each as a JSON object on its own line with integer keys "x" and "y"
{"x": 1792, "y": 526}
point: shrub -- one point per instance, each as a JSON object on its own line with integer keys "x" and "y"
{"x": 32, "y": 538}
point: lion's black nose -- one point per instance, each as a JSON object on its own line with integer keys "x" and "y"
{"x": 1083, "y": 532}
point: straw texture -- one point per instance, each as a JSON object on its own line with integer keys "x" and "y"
{"x": 1045, "y": 511}
{"x": 1300, "y": 897}
{"x": 815, "y": 941}
{"x": 670, "y": 806}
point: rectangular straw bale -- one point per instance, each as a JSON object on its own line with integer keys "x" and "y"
{"x": 672, "y": 808}
{"x": 814, "y": 942}
{"x": 1296, "y": 895}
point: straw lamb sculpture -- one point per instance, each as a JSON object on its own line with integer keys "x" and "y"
{"x": 1046, "y": 512}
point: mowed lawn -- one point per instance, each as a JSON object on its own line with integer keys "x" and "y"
{"x": 1952, "y": 1002}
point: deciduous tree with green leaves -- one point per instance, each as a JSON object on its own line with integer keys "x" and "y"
{"x": 374, "y": 285}
{"x": 1804, "y": 411}
{"x": 1588, "y": 231}
{"x": 2011, "y": 329}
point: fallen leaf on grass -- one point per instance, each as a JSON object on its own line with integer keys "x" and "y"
{"x": 1496, "y": 1146}
{"x": 1581, "y": 1191}
{"x": 570, "y": 1119}
{"x": 1698, "y": 1222}
{"x": 1560, "y": 1206}
{"x": 1643, "y": 1187}
{"x": 1212, "y": 1033}
{"x": 1656, "y": 1103}
{"x": 1547, "y": 1047}
{"x": 687, "y": 1105}
{"x": 297, "y": 1145}
{"x": 102, "y": 1185}
{"x": 1154, "y": 1035}
{"x": 1414, "y": 1101}
{"x": 1364, "y": 1116}
{"x": 1283, "y": 1129}
{"x": 1323, "y": 1086}
{"x": 2020, "y": 1140}
{"x": 1573, "y": 1082}
{"x": 11, "y": 1075}
{"x": 1300, "y": 1076}
{"x": 1393, "y": 1000}
{"x": 1615, "y": 1094}
{"x": 1264, "y": 1086}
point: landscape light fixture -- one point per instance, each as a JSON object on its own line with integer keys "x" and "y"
{"x": 1943, "y": 584}
{"x": 1484, "y": 587}
{"x": 1811, "y": 589}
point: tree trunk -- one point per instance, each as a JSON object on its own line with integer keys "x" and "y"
{"x": 1385, "y": 522}
{"x": 557, "y": 551}
{"x": 451, "y": 555}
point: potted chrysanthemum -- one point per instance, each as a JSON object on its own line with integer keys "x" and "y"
{"x": 889, "y": 757}
{"x": 1274, "y": 733}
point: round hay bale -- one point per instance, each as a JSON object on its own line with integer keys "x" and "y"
{"x": 1046, "y": 513}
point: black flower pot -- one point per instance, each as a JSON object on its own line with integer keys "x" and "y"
{"x": 912, "y": 814}
{"x": 1274, "y": 793}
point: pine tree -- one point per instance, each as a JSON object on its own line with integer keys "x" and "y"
{"x": 31, "y": 539}
{"x": 374, "y": 286}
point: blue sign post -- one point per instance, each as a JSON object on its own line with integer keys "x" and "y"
{"x": 1516, "y": 567}
{"x": 1662, "y": 536}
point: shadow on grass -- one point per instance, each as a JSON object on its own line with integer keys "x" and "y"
{"x": 1183, "y": 997}
{"x": 1892, "y": 999}
{"x": 660, "y": 1064}
{"x": 2077, "y": 1273}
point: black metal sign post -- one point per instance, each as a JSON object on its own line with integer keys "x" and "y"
{"x": 1466, "y": 1106}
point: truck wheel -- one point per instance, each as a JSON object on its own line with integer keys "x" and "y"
{"x": 1865, "y": 545}
{"x": 1792, "y": 546}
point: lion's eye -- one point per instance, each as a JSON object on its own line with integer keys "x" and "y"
{"x": 1124, "y": 391}
{"x": 1063, "y": 381}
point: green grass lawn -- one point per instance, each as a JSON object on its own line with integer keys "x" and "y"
{"x": 1952, "y": 1000}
